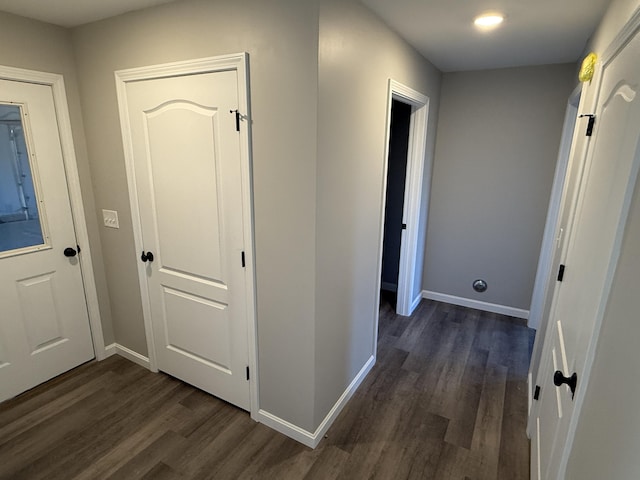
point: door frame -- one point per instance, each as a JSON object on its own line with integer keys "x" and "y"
{"x": 545, "y": 281}
{"x": 417, "y": 165}
{"x": 240, "y": 63}
{"x": 541, "y": 286}
{"x": 56, "y": 83}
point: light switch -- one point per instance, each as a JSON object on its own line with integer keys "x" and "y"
{"x": 110, "y": 218}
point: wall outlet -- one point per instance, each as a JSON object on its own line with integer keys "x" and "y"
{"x": 110, "y": 218}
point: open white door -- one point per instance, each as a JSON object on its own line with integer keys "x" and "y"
{"x": 44, "y": 324}
{"x": 186, "y": 154}
{"x": 602, "y": 207}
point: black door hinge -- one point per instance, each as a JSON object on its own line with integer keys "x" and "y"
{"x": 536, "y": 394}
{"x": 237, "y": 118}
{"x": 404, "y": 226}
{"x": 592, "y": 121}
{"x": 560, "y": 273}
{"x": 247, "y": 373}
{"x": 243, "y": 260}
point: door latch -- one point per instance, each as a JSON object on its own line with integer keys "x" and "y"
{"x": 592, "y": 121}
{"x": 237, "y": 118}
{"x": 146, "y": 256}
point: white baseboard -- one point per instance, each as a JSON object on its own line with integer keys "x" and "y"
{"x": 109, "y": 350}
{"x": 127, "y": 353}
{"x": 477, "y": 304}
{"x": 313, "y": 439}
{"x": 415, "y": 302}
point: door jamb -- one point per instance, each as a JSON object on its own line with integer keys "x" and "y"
{"x": 541, "y": 286}
{"x": 417, "y": 165}
{"x": 544, "y": 285}
{"x": 240, "y": 63}
{"x": 56, "y": 83}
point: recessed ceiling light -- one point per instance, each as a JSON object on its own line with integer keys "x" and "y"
{"x": 488, "y": 20}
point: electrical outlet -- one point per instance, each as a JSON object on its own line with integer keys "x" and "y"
{"x": 110, "y": 218}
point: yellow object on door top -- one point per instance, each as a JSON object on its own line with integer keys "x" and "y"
{"x": 588, "y": 67}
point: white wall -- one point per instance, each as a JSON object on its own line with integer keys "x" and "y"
{"x": 358, "y": 55}
{"x": 496, "y": 151}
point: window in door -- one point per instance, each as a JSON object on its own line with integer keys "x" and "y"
{"x": 21, "y": 222}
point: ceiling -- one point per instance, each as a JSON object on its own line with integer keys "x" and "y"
{"x": 71, "y": 13}
{"x": 535, "y": 32}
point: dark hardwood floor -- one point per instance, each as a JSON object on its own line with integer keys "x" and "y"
{"x": 446, "y": 400}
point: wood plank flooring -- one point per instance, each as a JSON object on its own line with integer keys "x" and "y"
{"x": 446, "y": 400}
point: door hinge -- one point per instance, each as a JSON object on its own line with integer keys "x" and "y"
{"x": 536, "y": 394}
{"x": 592, "y": 121}
{"x": 247, "y": 373}
{"x": 560, "y": 273}
{"x": 243, "y": 260}
{"x": 404, "y": 226}
{"x": 237, "y": 118}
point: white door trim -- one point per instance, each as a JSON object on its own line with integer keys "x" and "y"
{"x": 56, "y": 82}
{"x": 413, "y": 193}
{"x": 240, "y": 63}
{"x": 541, "y": 286}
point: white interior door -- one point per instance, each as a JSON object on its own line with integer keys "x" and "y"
{"x": 186, "y": 153}
{"x": 44, "y": 325}
{"x": 602, "y": 207}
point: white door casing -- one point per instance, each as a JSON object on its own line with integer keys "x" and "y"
{"x": 602, "y": 209}
{"x": 542, "y": 284}
{"x": 558, "y": 225}
{"x": 188, "y": 172}
{"x": 417, "y": 165}
{"x": 47, "y": 299}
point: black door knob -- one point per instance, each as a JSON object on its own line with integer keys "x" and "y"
{"x": 146, "y": 256}
{"x": 572, "y": 381}
{"x": 70, "y": 252}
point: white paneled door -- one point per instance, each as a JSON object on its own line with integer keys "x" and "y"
{"x": 187, "y": 164}
{"x": 601, "y": 212}
{"x": 44, "y": 325}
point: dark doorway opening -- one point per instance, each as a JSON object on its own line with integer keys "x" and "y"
{"x": 394, "y": 204}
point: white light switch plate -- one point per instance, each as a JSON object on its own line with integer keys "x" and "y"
{"x": 110, "y": 218}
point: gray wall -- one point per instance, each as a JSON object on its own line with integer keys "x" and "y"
{"x": 308, "y": 351}
{"x": 39, "y": 46}
{"x": 497, "y": 145}
{"x": 281, "y": 38}
{"x": 358, "y": 55}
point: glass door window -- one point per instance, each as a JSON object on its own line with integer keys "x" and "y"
{"x": 21, "y": 227}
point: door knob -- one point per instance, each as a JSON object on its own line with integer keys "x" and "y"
{"x": 146, "y": 256}
{"x": 70, "y": 252}
{"x": 572, "y": 381}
